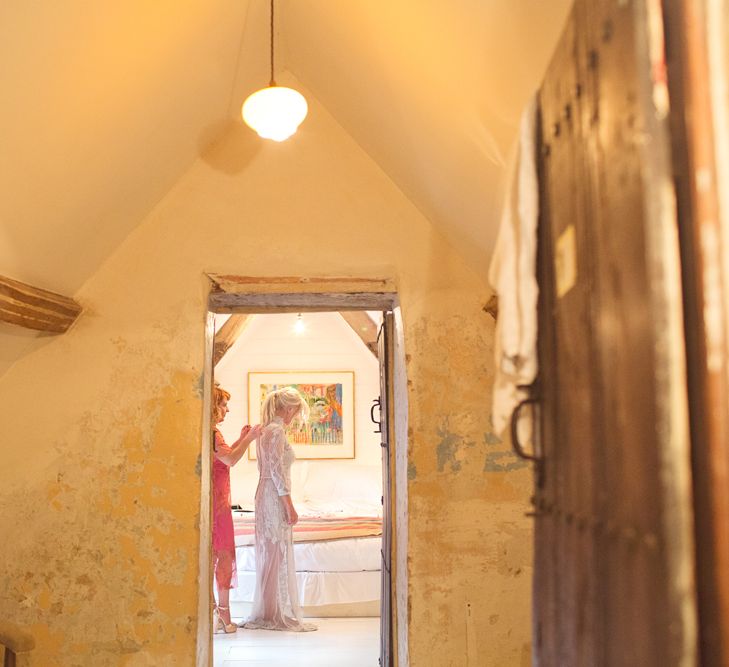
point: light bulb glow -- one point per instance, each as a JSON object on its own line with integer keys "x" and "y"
{"x": 299, "y": 326}
{"x": 275, "y": 112}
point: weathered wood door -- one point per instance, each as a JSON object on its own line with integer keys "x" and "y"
{"x": 614, "y": 554}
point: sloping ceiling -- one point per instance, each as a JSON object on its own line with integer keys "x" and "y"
{"x": 106, "y": 104}
{"x": 432, "y": 90}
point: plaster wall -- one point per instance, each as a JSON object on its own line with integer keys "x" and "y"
{"x": 327, "y": 343}
{"x": 100, "y": 476}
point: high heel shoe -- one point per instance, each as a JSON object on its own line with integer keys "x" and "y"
{"x": 219, "y": 625}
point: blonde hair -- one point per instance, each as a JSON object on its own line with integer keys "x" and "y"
{"x": 219, "y": 395}
{"x": 279, "y": 399}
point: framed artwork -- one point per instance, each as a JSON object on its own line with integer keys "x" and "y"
{"x": 329, "y": 431}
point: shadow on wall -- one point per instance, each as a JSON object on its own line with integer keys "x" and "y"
{"x": 228, "y": 146}
{"x": 18, "y": 342}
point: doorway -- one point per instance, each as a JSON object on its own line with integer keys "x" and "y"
{"x": 345, "y": 627}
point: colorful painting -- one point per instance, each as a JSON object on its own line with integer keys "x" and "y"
{"x": 324, "y": 426}
{"x": 329, "y": 430}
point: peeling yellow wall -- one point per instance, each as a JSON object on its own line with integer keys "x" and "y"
{"x": 101, "y": 428}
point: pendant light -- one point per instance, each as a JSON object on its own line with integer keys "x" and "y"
{"x": 274, "y": 112}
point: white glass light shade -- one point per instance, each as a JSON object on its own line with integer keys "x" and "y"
{"x": 275, "y": 112}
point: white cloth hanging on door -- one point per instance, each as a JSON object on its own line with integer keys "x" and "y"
{"x": 512, "y": 274}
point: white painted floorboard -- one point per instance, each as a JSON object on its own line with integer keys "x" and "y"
{"x": 339, "y": 642}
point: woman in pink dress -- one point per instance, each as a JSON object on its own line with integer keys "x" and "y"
{"x": 223, "y": 541}
{"x": 276, "y": 599}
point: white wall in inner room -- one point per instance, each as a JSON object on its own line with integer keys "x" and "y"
{"x": 270, "y": 344}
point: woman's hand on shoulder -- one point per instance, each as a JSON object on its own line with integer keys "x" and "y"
{"x": 249, "y": 433}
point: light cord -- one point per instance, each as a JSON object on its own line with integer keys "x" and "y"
{"x": 272, "y": 82}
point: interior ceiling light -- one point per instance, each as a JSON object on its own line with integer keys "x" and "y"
{"x": 275, "y": 112}
{"x": 299, "y": 326}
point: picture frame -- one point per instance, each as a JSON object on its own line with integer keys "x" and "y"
{"x": 329, "y": 431}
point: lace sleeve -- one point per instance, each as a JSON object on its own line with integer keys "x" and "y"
{"x": 276, "y": 443}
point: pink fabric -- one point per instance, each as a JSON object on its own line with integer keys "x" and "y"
{"x": 312, "y": 528}
{"x": 223, "y": 537}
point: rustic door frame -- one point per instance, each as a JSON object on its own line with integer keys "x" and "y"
{"x": 385, "y": 359}
{"x": 697, "y": 81}
{"x": 254, "y": 295}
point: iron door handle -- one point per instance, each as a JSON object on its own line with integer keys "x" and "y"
{"x": 516, "y": 445}
{"x": 376, "y": 404}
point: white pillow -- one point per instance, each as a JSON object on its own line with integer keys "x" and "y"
{"x": 318, "y": 487}
{"x": 341, "y": 508}
{"x": 244, "y": 481}
{"x": 299, "y": 475}
{"x": 350, "y": 484}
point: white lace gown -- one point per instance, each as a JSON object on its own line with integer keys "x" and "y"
{"x": 276, "y": 599}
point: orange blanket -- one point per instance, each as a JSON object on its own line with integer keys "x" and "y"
{"x": 312, "y": 529}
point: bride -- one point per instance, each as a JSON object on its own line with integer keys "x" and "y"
{"x": 276, "y": 600}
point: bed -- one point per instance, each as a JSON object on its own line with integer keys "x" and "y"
{"x": 337, "y": 543}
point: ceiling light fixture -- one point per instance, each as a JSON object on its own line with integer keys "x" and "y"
{"x": 299, "y": 326}
{"x": 274, "y": 112}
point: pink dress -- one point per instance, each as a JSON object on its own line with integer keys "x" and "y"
{"x": 223, "y": 538}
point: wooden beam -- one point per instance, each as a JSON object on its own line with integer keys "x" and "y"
{"x": 263, "y": 284}
{"x": 304, "y": 302}
{"x": 363, "y": 326}
{"x": 228, "y": 334}
{"x": 34, "y": 308}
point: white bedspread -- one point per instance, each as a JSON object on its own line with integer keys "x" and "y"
{"x": 327, "y": 572}
{"x": 348, "y": 555}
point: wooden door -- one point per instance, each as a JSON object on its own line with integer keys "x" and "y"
{"x": 384, "y": 352}
{"x": 613, "y": 547}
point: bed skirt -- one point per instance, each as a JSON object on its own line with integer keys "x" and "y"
{"x": 320, "y": 589}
